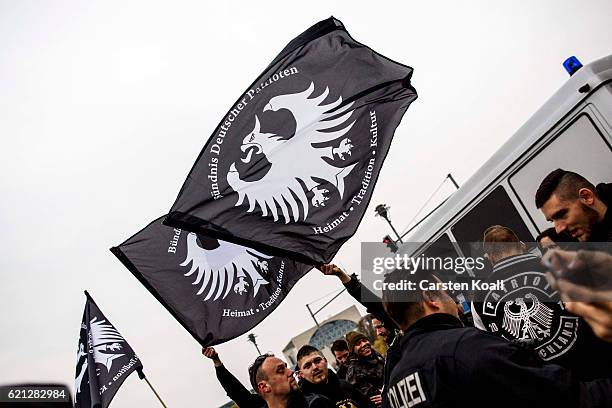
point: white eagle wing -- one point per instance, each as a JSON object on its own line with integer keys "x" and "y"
{"x": 512, "y": 320}
{"x": 280, "y": 187}
{"x": 220, "y": 266}
{"x": 313, "y": 120}
{"x": 541, "y": 313}
{"x": 103, "y": 333}
{"x": 79, "y": 378}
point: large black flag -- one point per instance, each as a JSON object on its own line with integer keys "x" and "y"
{"x": 104, "y": 359}
{"x": 291, "y": 167}
{"x": 217, "y": 290}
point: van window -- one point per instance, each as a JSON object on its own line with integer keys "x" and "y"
{"x": 441, "y": 248}
{"x": 580, "y": 147}
{"x": 494, "y": 209}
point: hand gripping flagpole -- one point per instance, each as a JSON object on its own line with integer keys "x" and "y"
{"x": 142, "y": 376}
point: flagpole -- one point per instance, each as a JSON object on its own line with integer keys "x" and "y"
{"x": 143, "y": 377}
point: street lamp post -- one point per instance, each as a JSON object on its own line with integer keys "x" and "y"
{"x": 251, "y": 338}
{"x": 383, "y": 211}
{"x": 452, "y": 179}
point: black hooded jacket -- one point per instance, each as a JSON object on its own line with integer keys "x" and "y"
{"x": 602, "y": 232}
{"x": 341, "y": 373}
{"x": 236, "y": 391}
{"x": 338, "y": 391}
{"x": 562, "y": 338}
{"x": 444, "y": 364}
{"x": 301, "y": 400}
{"x": 359, "y": 292}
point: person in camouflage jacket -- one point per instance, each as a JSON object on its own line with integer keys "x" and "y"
{"x": 366, "y": 367}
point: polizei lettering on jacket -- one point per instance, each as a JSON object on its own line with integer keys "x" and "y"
{"x": 407, "y": 392}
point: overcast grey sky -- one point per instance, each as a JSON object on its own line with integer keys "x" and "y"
{"x": 105, "y": 105}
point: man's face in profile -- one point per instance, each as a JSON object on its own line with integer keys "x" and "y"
{"x": 280, "y": 378}
{"x": 572, "y": 216}
{"x": 380, "y": 329}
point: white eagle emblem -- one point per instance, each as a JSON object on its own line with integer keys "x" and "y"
{"x": 221, "y": 265}
{"x": 297, "y": 164}
{"x": 106, "y": 347}
{"x": 536, "y": 320}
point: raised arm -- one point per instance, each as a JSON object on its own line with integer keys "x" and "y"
{"x": 232, "y": 386}
{"x": 355, "y": 289}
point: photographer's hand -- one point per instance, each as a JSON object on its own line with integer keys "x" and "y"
{"x": 592, "y": 300}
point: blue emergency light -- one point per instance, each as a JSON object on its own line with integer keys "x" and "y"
{"x": 572, "y": 65}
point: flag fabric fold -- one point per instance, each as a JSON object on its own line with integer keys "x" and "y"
{"x": 291, "y": 168}
{"x": 104, "y": 359}
{"x": 216, "y": 290}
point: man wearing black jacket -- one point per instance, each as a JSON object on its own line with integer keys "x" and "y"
{"x": 444, "y": 364}
{"x": 276, "y": 387}
{"x": 275, "y": 383}
{"x": 318, "y": 379}
{"x": 341, "y": 352}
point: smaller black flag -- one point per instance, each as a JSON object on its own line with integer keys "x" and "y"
{"x": 104, "y": 359}
{"x": 215, "y": 289}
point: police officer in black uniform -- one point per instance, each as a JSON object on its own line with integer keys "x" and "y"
{"x": 444, "y": 364}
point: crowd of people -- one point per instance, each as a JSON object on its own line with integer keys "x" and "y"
{"x": 546, "y": 341}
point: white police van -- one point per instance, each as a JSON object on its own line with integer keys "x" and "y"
{"x": 572, "y": 130}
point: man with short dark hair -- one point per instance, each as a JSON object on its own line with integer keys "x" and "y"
{"x": 318, "y": 379}
{"x": 341, "y": 352}
{"x": 575, "y": 205}
{"x": 275, "y": 383}
{"x": 550, "y": 239}
{"x": 366, "y": 367}
{"x": 444, "y": 364}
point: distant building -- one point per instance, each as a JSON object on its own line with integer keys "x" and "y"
{"x": 324, "y": 335}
